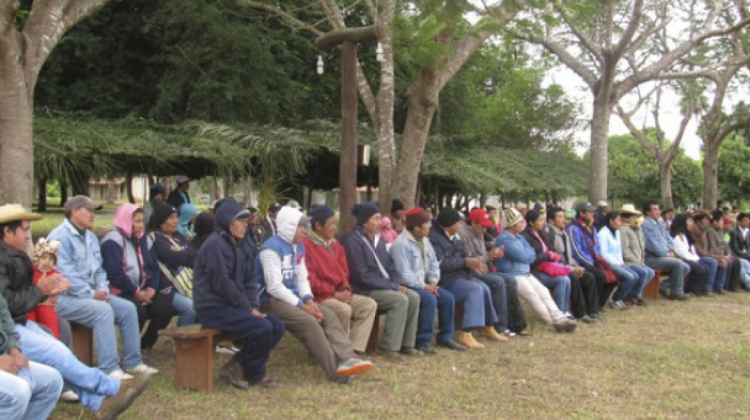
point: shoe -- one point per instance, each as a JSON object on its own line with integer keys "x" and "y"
{"x": 467, "y": 339}
{"x": 235, "y": 375}
{"x": 679, "y": 296}
{"x": 452, "y": 345}
{"x": 147, "y": 355}
{"x": 230, "y": 350}
{"x": 664, "y": 293}
{"x": 69, "y": 396}
{"x": 354, "y": 367}
{"x": 143, "y": 369}
{"x": 115, "y": 405}
{"x": 564, "y": 325}
{"x": 640, "y": 302}
{"x": 268, "y": 383}
{"x": 595, "y": 316}
{"x": 525, "y": 333}
{"x": 120, "y": 374}
{"x": 719, "y": 292}
{"x": 411, "y": 351}
{"x": 490, "y": 333}
{"x": 618, "y": 304}
{"x": 428, "y": 350}
{"x": 587, "y": 319}
{"x": 509, "y": 333}
{"x": 393, "y": 356}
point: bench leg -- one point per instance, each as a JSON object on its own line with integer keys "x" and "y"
{"x": 83, "y": 343}
{"x": 372, "y": 343}
{"x": 651, "y": 291}
{"x": 194, "y": 363}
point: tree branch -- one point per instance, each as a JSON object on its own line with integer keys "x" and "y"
{"x": 627, "y": 36}
{"x": 283, "y": 16}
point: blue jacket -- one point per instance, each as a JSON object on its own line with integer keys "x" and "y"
{"x": 658, "y": 242}
{"x": 364, "y": 273}
{"x": 125, "y": 273}
{"x": 451, "y": 255}
{"x": 580, "y": 236}
{"x": 80, "y": 260}
{"x": 519, "y": 254}
{"x": 415, "y": 270}
{"x": 223, "y": 272}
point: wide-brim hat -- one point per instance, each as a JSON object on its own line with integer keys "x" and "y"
{"x": 15, "y": 213}
{"x": 511, "y": 217}
{"x": 629, "y": 209}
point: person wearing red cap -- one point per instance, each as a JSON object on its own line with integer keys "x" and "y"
{"x": 418, "y": 266}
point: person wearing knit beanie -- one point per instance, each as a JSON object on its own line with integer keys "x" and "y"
{"x": 161, "y": 212}
{"x": 364, "y": 212}
{"x": 448, "y": 217}
{"x": 319, "y": 214}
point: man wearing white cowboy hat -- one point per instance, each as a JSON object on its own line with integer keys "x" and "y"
{"x": 91, "y": 384}
{"x": 634, "y": 249}
{"x": 87, "y": 300}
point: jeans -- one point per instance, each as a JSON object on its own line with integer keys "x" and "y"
{"x": 499, "y": 290}
{"x": 712, "y": 268}
{"x": 477, "y": 300}
{"x": 91, "y": 384}
{"x": 678, "y": 270}
{"x": 31, "y": 394}
{"x": 428, "y": 303}
{"x": 101, "y": 317}
{"x": 628, "y": 282}
{"x": 645, "y": 275}
{"x": 745, "y": 272}
{"x": 561, "y": 286}
{"x": 183, "y": 305}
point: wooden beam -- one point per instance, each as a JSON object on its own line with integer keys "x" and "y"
{"x": 356, "y": 35}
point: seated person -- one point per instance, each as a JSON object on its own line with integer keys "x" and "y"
{"x": 720, "y": 248}
{"x": 418, "y": 267}
{"x": 516, "y": 261}
{"x": 634, "y": 252}
{"x": 740, "y": 247}
{"x": 226, "y": 298}
{"x": 700, "y": 231}
{"x": 457, "y": 275}
{"x": 329, "y": 278}
{"x": 44, "y": 259}
{"x": 288, "y": 296}
{"x": 17, "y": 290}
{"x": 510, "y": 316}
{"x": 660, "y": 252}
{"x": 557, "y": 281}
{"x": 372, "y": 273}
{"x": 88, "y": 301}
{"x": 610, "y": 243}
{"x": 133, "y": 273}
{"x": 702, "y": 269}
{"x": 584, "y": 292}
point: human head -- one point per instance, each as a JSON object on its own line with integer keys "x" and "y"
{"x": 397, "y": 209}
{"x": 614, "y": 221}
{"x": 254, "y": 219}
{"x": 556, "y": 217}
{"x": 512, "y": 221}
{"x": 602, "y": 205}
{"x": 522, "y": 208}
{"x": 681, "y": 225}
{"x": 728, "y": 223}
{"x": 231, "y": 219}
{"x": 385, "y": 223}
{"x": 491, "y": 213}
{"x": 668, "y": 214}
{"x": 157, "y": 192}
{"x": 323, "y": 221}
{"x": 163, "y": 218}
{"x": 478, "y": 220}
{"x": 584, "y": 211}
{"x": 417, "y": 221}
{"x": 79, "y": 210}
{"x": 204, "y": 223}
{"x": 368, "y": 216}
{"x": 651, "y": 209}
{"x": 128, "y": 219}
{"x": 292, "y": 224}
{"x": 15, "y": 225}
{"x": 743, "y": 220}
{"x": 187, "y": 213}
{"x": 45, "y": 254}
{"x": 702, "y": 218}
{"x": 273, "y": 210}
{"x": 717, "y": 219}
{"x": 535, "y": 220}
{"x": 183, "y": 183}
{"x": 449, "y": 220}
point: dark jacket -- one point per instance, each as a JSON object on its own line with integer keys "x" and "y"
{"x": 739, "y": 244}
{"x": 16, "y": 275}
{"x": 364, "y": 272}
{"x": 223, "y": 270}
{"x": 174, "y": 252}
{"x": 177, "y": 198}
{"x": 451, "y": 255}
{"x": 8, "y": 334}
{"x": 541, "y": 256}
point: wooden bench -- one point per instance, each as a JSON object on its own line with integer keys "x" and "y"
{"x": 83, "y": 343}
{"x": 651, "y": 291}
{"x": 194, "y": 359}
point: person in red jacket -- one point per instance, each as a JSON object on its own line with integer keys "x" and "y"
{"x": 44, "y": 260}
{"x": 329, "y": 278}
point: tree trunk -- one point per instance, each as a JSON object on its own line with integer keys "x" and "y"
{"x": 665, "y": 179}
{"x": 129, "y": 187}
{"x": 111, "y": 191}
{"x": 711, "y": 175}
{"x": 599, "y": 145}
{"x": 63, "y": 193}
{"x": 42, "y": 198}
{"x": 80, "y": 184}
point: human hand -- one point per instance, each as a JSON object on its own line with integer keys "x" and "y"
{"x": 343, "y": 296}
{"x": 19, "y": 358}
{"x": 402, "y": 289}
{"x": 8, "y": 364}
{"x": 101, "y": 295}
{"x": 312, "y": 308}
{"x": 432, "y": 288}
{"x": 554, "y": 256}
{"x": 257, "y": 313}
{"x": 475, "y": 265}
{"x": 47, "y": 284}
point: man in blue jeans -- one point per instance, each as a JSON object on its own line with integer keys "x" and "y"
{"x": 417, "y": 264}
{"x": 87, "y": 301}
{"x": 660, "y": 252}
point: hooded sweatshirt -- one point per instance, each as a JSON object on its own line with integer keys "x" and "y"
{"x": 281, "y": 266}
{"x": 223, "y": 271}
{"x": 129, "y": 262}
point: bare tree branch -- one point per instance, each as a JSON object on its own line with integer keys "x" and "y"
{"x": 587, "y": 43}
{"x": 283, "y": 16}
{"x": 627, "y": 36}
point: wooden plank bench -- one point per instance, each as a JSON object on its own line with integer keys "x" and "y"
{"x": 194, "y": 359}
{"x": 83, "y": 343}
{"x": 651, "y": 291}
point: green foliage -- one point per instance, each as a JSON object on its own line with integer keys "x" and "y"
{"x": 635, "y": 174}
{"x": 734, "y": 170}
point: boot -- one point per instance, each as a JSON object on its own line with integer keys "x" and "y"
{"x": 467, "y": 340}
{"x": 235, "y": 375}
{"x": 115, "y": 405}
{"x": 489, "y": 332}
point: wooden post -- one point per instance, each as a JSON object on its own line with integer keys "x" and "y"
{"x": 348, "y": 168}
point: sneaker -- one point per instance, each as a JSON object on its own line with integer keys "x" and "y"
{"x": 69, "y": 396}
{"x": 233, "y": 372}
{"x": 490, "y": 333}
{"x": 231, "y": 350}
{"x": 618, "y": 304}
{"x": 355, "y": 367}
{"x": 509, "y": 333}
{"x": 467, "y": 340}
{"x": 120, "y": 374}
{"x": 130, "y": 389}
{"x": 587, "y": 319}
{"x": 452, "y": 345}
{"x": 143, "y": 369}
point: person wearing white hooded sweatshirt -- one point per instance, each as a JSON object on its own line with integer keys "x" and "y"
{"x": 286, "y": 293}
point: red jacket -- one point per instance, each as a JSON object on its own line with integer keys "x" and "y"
{"x": 327, "y": 269}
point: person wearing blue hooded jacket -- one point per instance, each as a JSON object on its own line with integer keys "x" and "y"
{"x": 226, "y": 297}
{"x": 287, "y": 294}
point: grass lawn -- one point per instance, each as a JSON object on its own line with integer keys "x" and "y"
{"x": 671, "y": 360}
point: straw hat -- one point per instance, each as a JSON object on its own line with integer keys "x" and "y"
{"x": 16, "y": 212}
{"x": 629, "y": 209}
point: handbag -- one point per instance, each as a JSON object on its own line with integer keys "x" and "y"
{"x": 183, "y": 281}
{"x": 601, "y": 263}
{"x": 553, "y": 269}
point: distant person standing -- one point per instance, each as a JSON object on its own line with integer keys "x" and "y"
{"x": 269, "y": 223}
{"x": 155, "y": 194}
{"x": 181, "y": 194}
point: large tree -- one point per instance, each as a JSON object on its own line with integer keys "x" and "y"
{"x": 29, "y": 31}
{"x": 615, "y": 46}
